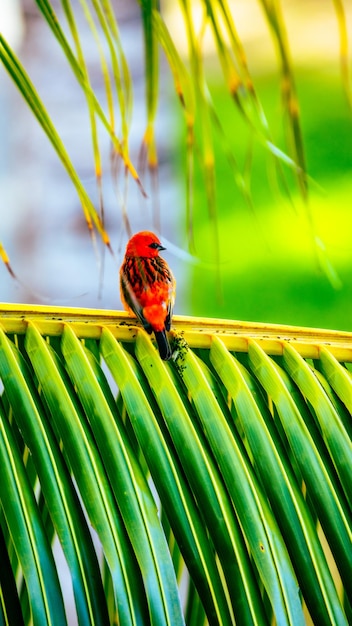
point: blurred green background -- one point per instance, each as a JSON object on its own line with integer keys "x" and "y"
{"x": 271, "y": 266}
{"x": 269, "y": 269}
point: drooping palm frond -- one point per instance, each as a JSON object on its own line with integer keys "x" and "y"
{"x": 218, "y": 485}
{"x": 192, "y": 88}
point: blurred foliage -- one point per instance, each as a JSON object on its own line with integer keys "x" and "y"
{"x": 269, "y": 269}
{"x": 266, "y": 157}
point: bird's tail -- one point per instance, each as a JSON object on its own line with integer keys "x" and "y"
{"x": 163, "y": 345}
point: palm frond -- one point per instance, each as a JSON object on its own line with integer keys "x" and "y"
{"x": 218, "y": 484}
{"x": 201, "y": 122}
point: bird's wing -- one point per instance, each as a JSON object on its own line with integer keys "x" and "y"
{"x": 132, "y": 302}
{"x": 171, "y": 302}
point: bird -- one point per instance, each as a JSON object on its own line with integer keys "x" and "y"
{"x": 148, "y": 288}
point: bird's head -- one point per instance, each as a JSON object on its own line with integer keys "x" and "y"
{"x": 144, "y": 244}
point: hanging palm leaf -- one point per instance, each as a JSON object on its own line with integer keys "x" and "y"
{"x": 218, "y": 484}
{"x": 203, "y": 124}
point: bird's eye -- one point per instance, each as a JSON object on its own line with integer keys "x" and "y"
{"x": 154, "y": 245}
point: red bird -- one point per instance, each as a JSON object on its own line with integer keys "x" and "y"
{"x": 147, "y": 287}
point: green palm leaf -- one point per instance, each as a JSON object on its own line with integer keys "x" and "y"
{"x": 210, "y": 474}
{"x": 128, "y": 483}
{"x": 58, "y": 489}
{"x": 286, "y": 499}
{"x": 80, "y": 452}
{"x": 168, "y": 476}
{"x": 22, "y": 519}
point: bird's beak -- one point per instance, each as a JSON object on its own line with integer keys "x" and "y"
{"x": 160, "y": 247}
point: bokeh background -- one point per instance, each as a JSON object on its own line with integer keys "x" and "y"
{"x": 269, "y": 268}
